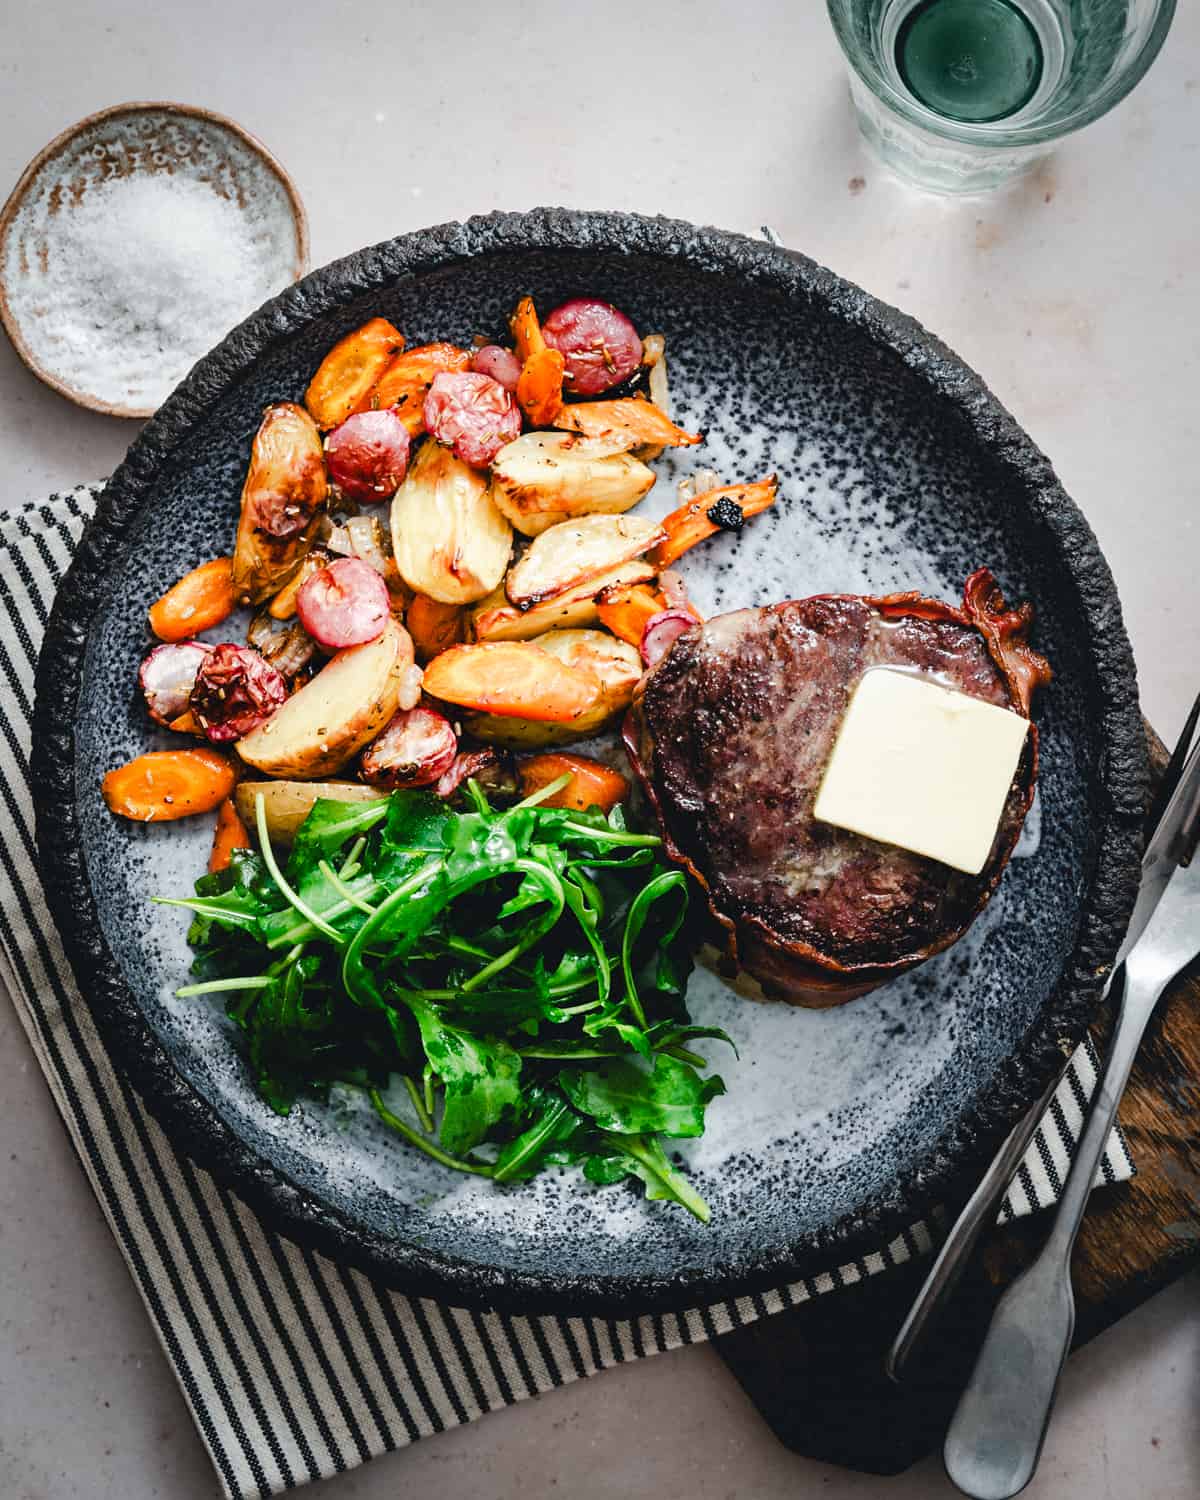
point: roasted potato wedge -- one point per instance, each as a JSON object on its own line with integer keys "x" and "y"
{"x": 542, "y": 478}
{"x": 495, "y": 619}
{"x": 577, "y": 552}
{"x": 349, "y": 371}
{"x": 614, "y": 664}
{"x": 630, "y": 419}
{"x": 286, "y": 804}
{"x": 345, "y": 705}
{"x": 282, "y": 497}
{"x": 450, "y": 541}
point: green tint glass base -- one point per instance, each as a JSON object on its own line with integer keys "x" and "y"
{"x": 935, "y": 163}
{"x": 969, "y": 60}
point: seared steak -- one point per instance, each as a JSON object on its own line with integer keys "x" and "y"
{"x": 730, "y": 734}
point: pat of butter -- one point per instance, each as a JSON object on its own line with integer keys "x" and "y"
{"x": 922, "y": 766}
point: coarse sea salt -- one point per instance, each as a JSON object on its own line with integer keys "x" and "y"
{"x": 142, "y": 275}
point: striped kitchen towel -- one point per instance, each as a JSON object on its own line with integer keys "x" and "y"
{"x": 295, "y": 1367}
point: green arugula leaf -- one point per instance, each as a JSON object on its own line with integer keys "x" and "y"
{"x": 554, "y": 1126}
{"x": 626, "y": 1097}
{"x": 480, "y": 1076}
{"x": 415, "y": 821}
{"x": 644, "y": 1157}
{"x": 329, "y": 825}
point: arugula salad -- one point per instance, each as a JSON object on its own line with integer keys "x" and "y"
{"x": 521, "y": 970}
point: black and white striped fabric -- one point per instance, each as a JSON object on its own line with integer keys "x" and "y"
{"x": 296, "y": 1368}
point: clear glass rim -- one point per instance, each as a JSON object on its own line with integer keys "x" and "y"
{"x": 996, "y": 133}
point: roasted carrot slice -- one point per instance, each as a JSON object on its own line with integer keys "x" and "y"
{"x": 403, "y": 383}
{"x": 513, "y": 679}
{"x": 526, "y": 329}
{"x": 349, "y": 371}
{"x": 639, "y": 421}
{"x": 539, "y": 386}
{"x": 168, "y": 784}
{"x": 539, "y": 389}
{"x": 434, "y": 626}
{"x": 722, "y": 509}
{"x": 186, "y": 723}
{"x": 201, "y": 598}
{"x": 625, "y": 611}
{"x": 592, "y": 784}
{"x": 229, "y": 834}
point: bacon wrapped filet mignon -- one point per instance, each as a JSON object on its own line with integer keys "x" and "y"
{"x": 730, "y": 734}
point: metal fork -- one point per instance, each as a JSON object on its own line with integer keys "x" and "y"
{"x": 995, "y": 1438}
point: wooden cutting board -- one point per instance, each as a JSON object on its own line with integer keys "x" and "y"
{"x": 816, "y": 1372}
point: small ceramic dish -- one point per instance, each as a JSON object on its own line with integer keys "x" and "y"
{"x": 136, "y": 240}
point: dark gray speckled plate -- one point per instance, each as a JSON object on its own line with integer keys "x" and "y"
{"x": 898, "y": 470}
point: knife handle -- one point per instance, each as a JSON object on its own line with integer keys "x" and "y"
{"x": 995, "y": 1437}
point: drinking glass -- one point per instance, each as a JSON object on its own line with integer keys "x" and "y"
{"x": 962, "y": 95}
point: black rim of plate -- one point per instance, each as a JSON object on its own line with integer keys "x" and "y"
{"x": 195, "y": 1126}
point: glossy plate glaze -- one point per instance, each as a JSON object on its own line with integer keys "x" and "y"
{"x": 898, "y": 470}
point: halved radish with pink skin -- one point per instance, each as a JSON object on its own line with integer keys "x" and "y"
{"x": 367, "y": 455}
{"x": 167, "y": 677}
{"x": 345, "y": 604}
{"x": 662, "y": 631}
{"x": 501, "y": 364}
{"x": 236, "y": 690}
{"x": 599, "y": 343}
{"x": 473, "y": 415}
{"x": 415, "y": 749}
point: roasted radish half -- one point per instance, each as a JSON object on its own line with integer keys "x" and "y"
{"x": 167, "y": 677}
{"x": 600, "y": 345}
{"x": 415, "y": 749}
{"x": 492, "y": 769}
{"x": 236, "y": 689}
{"x": 345, "y": 604}
{"x": 367, "y": 455}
